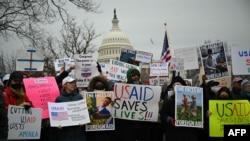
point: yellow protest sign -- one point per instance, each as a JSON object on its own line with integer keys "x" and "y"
{"x": 230, "y": 112}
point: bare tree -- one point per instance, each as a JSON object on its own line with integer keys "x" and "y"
{"x": 77, "y": 39}
{"x": 25, "y": 17}
{"x": 8, "y": 62}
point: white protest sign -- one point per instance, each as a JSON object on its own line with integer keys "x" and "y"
{"x": 29, "y": 60}
{"x": 190, "y": 55}
{"x": 118, "y": 70}
{"x": 63, "y": 62}
{"x": 68, "y": 113}
{"x": 240, "y": 60}
{"x": 176, "y": 64}
{"x": 85, "y": 69}
{"x": 159, "y": 69}
{"x": 136, "y": 102}
{"x": 24, "y": 124}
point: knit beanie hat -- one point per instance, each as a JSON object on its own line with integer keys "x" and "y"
{"x": 244, "y": 83}
{"x": 16, "y": 75}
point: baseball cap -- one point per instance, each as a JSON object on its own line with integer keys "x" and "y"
{"x": 67, "y": 80}
{"x": 237, "y": 79}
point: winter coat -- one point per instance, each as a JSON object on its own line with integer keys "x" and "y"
{"x": 11, "y": 99}
{"x": 173, "y": 133}
{"x": 70, "y": 133}
{"x": 3, "y": 119}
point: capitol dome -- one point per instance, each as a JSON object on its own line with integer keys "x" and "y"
{"x": 112, "y": 43}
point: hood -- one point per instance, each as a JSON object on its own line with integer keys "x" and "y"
{"x": 101, "y": 79}
{"x": 130, "y": 72}
{"x": 178, "y": 79}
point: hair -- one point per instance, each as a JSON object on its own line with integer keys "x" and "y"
{"x": 109, "y": 98}
{"x": 225, "y": 89}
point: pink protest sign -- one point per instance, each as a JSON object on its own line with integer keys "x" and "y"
{"x": 41, "y": 91}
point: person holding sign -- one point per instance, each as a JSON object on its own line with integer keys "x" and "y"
{"x": 173, "y": 133}
{"x": 131, "y": 130}
{"x": 69, "y": 93}
{"x": 100, "y": 84}
{"x": 14, "y": 93}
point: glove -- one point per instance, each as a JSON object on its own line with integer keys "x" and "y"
{"x": 171, "y": 120}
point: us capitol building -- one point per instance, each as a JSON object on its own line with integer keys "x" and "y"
{"x": 112, "y": 43}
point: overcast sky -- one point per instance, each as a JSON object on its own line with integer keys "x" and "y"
{"x": 189, "y": 22}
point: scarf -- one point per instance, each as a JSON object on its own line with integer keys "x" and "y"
{"x": 19, "y": 94}
{"x": 245, "y": 94}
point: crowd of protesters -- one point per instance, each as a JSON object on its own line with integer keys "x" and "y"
{"x": 13, "y": 93}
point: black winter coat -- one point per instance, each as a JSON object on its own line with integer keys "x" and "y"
{"x": 173, "y": 133}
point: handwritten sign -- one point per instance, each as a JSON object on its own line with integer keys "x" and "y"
{"x": 68, "y": 113}
{"x": 190, "y": 55}
{"x": 227, "y": 112}
{"x": 240, "y": 60}
{"x": 118, "y": 70}
{"x": 159, "y": 69}
{"x": 136, "y": 102}
{"x": 24, "y": 124}
{"x": 41, "y": 91}
{"x": 176, "y": 64}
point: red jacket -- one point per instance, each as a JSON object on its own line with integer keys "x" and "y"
{"x": 11, "y": 99}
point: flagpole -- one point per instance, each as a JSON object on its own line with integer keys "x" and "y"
{"x": 166, "y": 32}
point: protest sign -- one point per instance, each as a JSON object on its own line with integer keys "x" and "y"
{"x": 24, "y": 124}
{"x": 189, "y": 106}
{"x": 214, "y": 60}
{"x": 68, "y": 113}
{"x": 227, "y": 112}
{"x": 41, "y": 91}
{"x": 100, "y": 111}
{"x": 159, "y": 69}
{"x": 85, "y": 69}
{"x": 136, "y": 102}
{"x": 118, "y": 70}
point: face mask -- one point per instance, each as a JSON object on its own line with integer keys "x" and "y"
{"x": 215, "y": 89}
{"x": 16, "y": 86}
{"x": 136, "y": 82}
{"x": 99, "y": 87}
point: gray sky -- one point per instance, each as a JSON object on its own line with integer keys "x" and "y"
{"x": 189, "y": 22}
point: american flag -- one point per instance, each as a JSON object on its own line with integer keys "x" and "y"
{"x": 165, "y": 55}
{"x": 59, "y": 116}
